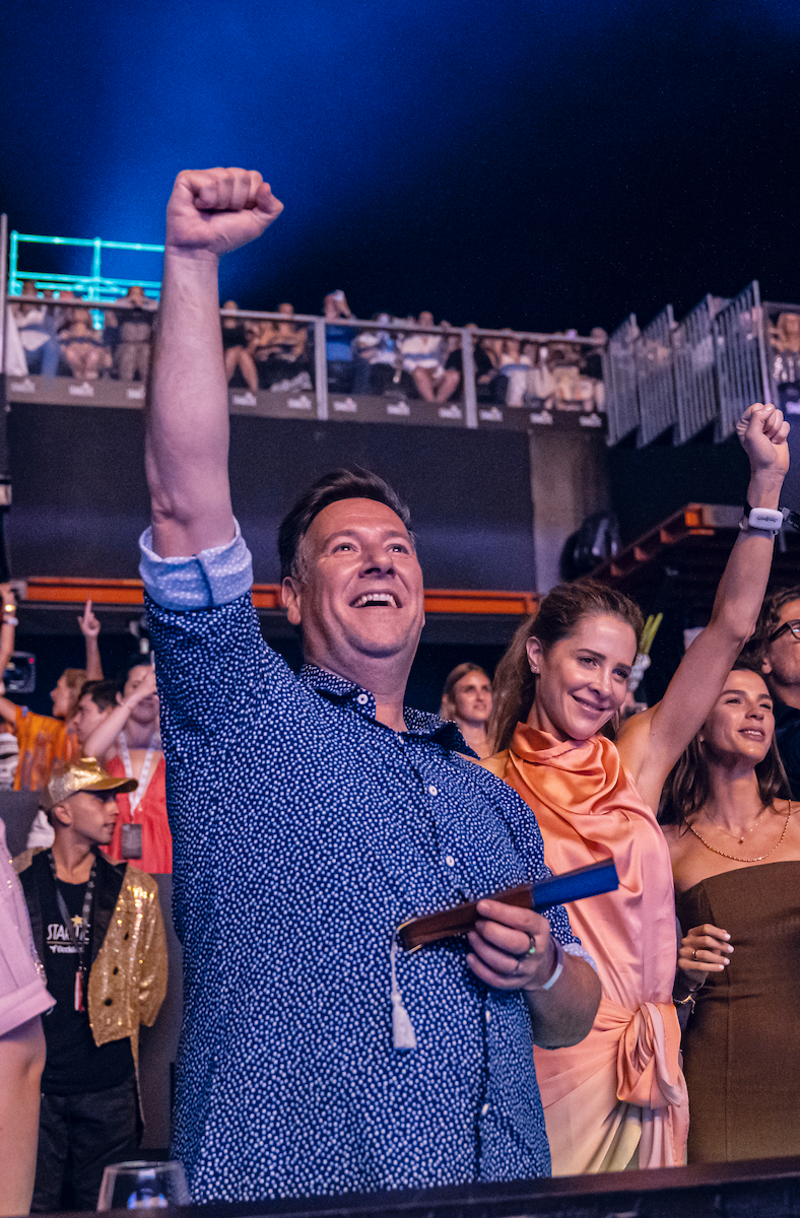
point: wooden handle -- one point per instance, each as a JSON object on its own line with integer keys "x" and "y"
{"x": 459, "y": 920}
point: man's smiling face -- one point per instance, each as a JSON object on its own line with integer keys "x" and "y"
{"x": 359, "y": 594}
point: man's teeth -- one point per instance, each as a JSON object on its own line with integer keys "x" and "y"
{"x": 376, "y": 598}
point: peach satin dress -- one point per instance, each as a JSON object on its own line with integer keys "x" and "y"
{"x": 618, "y": 1099}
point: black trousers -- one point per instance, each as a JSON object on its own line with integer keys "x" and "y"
{"x": 79, "y": 1136}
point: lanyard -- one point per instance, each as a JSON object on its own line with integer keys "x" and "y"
{"x": 135, "y": 797}
{"x": 81, "y": 945}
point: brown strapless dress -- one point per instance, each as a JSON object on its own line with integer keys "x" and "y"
{"x": 741, "y": 1046}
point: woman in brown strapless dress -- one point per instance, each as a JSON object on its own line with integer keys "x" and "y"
{"x": 735, "y": 847}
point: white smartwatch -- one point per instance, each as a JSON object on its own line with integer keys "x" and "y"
{"x": 761, "y": 520}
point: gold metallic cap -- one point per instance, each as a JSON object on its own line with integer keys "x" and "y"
{"x": 84, "y": 775}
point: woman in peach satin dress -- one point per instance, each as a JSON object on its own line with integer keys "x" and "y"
{"x": 618, "y": 1099}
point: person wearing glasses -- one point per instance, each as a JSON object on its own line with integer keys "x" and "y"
{"x": 777, "y": 640}
{"x": 734, "y": 840}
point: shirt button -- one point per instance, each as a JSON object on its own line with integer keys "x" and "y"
{"x": 433, "y": 790}
{"x": 362, "y": 699}
{"x": 488, "y": 1016}
{"x": 484, "y": 1110}
{"x": 451, "y": 862}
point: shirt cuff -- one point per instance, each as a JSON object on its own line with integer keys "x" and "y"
{"x": 575, "y": 949}
{"x": 203, "y": 581}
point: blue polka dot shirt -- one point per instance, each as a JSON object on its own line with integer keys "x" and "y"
{"x": 305, "y": 832}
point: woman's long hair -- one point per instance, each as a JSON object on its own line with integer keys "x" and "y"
{"x": 688, "y": 785}
{"x": 558, "y": 616}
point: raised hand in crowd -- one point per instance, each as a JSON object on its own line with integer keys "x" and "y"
{"x": 214, "y": 211}
{"x": 90, "y": 629}
{"x": 650, "y": 743}
{"x": 104, "y": 735}
{"x": 209, "y": 213}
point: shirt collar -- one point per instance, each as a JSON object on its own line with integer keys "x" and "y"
{"x": 418, "y": 723}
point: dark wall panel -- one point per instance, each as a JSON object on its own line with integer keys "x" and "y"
{"x": 80, "y": 498}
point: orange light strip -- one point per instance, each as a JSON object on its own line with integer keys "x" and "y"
{"x": 64, "y": 590}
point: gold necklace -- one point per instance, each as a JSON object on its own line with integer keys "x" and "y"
{"x": 733, "y": 857}
{"x": 735, "y": 836}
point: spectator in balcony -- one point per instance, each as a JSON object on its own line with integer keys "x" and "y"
{"x": 592, "y": 369}
{"x": 135, "y": 332}
{"x": 36, "y": 327}
{"x": 564, "y": 360}
{"x": 786, "y": 360}
{"x": 338, "y": 343}
{"x": 289, "y": 366}
{"x": 261, "y": 348}
{"x": 375, "y": 358}
{"x": 236, "y": 345}
{"x": 454, "y": 367}
{"x": 82, "y": 347}
{"x": 513, "y": 371}
{"x": 541, "y": 382}
{"x": 467, "y": 701}
{"x": 423, "y": 358}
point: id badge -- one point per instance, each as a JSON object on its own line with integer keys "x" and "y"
{"x": 130, "y": 846}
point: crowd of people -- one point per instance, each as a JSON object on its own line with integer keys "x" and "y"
{"x": 62, "y": 338}
{"x": 312, "y": 815}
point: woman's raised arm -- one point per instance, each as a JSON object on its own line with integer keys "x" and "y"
{"x": 651, "y": 743}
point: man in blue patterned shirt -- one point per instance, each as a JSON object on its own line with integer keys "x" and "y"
{"x": 313, "y": 814}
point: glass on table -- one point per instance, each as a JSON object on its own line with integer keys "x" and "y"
{"x": 140, "y": 1185}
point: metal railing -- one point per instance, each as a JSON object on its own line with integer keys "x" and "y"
{"x": 621, "y": 380}
{"x": 706, "y": 369}
{"x": 95, "y": 284}
{"x": 658, "y": 406}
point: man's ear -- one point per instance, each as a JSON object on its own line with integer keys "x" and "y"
{"x": 60, "y": 814}
{"x": 765, "y": 665}
{"x": 291, "y": 598}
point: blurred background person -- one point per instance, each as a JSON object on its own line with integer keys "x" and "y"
{"x": 236, "y": 348}
{"x": 374, "y": 358}
{"x": 128, "y": 741}
{"x": 776, "y": 645}
{"x": 82, "y": 347}
{"x": 423, "y": 358}
{"x": 135, "y": 329}
{"x": 734, "y": 840}
{"x": 338, "y": 342}
{"x": 467, "y": 700}
{"x": 36, "y": 326}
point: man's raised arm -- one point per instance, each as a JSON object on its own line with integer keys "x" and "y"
{"x": 210, "y": 212}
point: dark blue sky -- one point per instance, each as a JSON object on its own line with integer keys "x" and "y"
{"x": 537, "y": 164}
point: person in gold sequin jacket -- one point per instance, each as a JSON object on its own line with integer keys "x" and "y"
{"x": 128, "y": 975}
{"x": 98, "y": 929}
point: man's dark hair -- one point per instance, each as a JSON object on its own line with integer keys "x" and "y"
{"x": 102, "y": 693}
{"x": 768, "y": 621}
{"x": 353, "y": 482}
{"x": 135, "y": 660}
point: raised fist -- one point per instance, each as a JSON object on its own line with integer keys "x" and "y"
{"x": 763, "y": 433}
{"x": 213, "y": 211}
